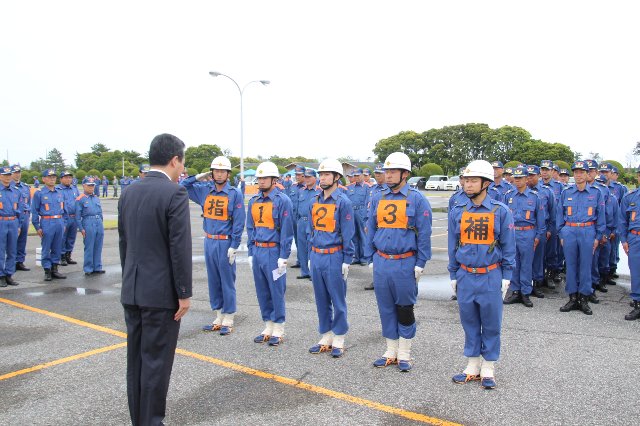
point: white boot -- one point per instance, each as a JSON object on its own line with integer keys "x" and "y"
{"x": 404, "y": 354}
{"x": 219, "y": 316}
{"x": 268, "y": 328}
{"x": 473, "y": 366}
{"x": 392, "y": 349}
{"x": 327, "y": 339}
{"x": 278, "y": 329}
{"x": 227, "y": 320}
{"x": 338, "y": 341}
{"x": 487, "y": 369}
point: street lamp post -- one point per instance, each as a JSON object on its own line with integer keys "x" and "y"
{"x": 241, "y": 91}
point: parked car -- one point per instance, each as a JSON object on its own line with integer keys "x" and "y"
{"x": 417, "y": 182}
{"x": 453, "y": 184}
{"x": 436, "y": 182}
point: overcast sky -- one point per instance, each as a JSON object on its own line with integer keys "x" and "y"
{"x": 344, "y": 74}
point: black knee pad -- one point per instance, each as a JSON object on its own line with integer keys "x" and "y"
{"x": 405, "y": 314}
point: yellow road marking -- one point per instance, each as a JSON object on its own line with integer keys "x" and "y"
{"x": 232, "y": 366}
{"x": 63, "y": 360}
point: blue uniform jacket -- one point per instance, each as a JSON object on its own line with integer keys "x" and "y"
{"x": 609, "y": 209}
{"x": 87, "y": 206}
{"x": 306, "y": 197}
{"x": 10, "y": 202}
{"x": 481, "y": 255}
{"x": 417, "y": 237}
{"x": 282, "y": 233}
{"x": 582, "y": 206}
{"x": 344, "y": 225}
{"x": 527, "y": 210}
{"x": 47, "y": 202}
{"x": 198, "y": 193}
{"x": 548, "y": 201}
{"x": 358, "y": 193}
{"x": 70, "y": 193}
{"x": 25, "y": 196}
{"x": 629, "y": 215}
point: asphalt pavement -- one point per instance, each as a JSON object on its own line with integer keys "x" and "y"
{"x": 62, "y": 355}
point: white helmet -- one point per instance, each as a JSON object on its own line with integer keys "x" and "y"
{"x": 479, "y": 168}
{"x": 331, "y": 165}
{"x": 397, "y": 160}
{"x": 221, "y": 163}
{"x": 267, "y": 169}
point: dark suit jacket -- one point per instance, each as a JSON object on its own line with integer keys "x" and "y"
{"x": 155, "y": 243}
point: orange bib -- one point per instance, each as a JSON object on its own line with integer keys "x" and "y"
{"x": 262, "y": 214}
{"x": 216, "y": 207}
{"x": 476, "y": 228}
{"x": 392, "y": 214}
{"x": 323, "y": 217}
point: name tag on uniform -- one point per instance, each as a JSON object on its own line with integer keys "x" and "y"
{"x": 476, "y": 228}
{"x": 392, "y": 214}
{"x": 216, "y": 207}
{"x": 262, "y": 214}
{"x": 323, "y": 218}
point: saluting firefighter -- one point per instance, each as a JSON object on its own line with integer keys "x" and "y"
{"x": 629, "y": 232}
{"x": 482, "y": 250}
{"x": 89, "y": 221}
{"x": 330, "y": 228}
{"x": 224, "y": 218}
{"x": 269, "y": 235}
{"x": 529, "y": 220}
{"x": 399, "y": 239}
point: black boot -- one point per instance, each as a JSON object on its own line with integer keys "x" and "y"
{"x": 47, "y": 274}
{"x": 609, "y": 279}
{"x": 3, "y": 283}
{"x": 593, "y": 298}
{"x": 612, "y": 272}
{"x": 536, "y": 292}
{"x": 601, "y": 286}
{"x": 556, "y": 278}
{"x": 515, "y": 297}
{"x": 70, "y": 261}
{"x": 583, "y": 305}
{"x": 20, "y": 267}
{"x": 55, "y": 274}
{"x": 572, "y": 304}
{"x": 369, "y": 286}
{"x": 526, "y": 301}
{"x": 10, "y": 281}
{"x": 63, "y": 260}
{"x": 635, "y": 314}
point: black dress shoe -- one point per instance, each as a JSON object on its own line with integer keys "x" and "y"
{"x": 88, "y": 274}
{"x": 20, "y": 267}
{"x": 98, "y": 272}
{"x": 515, "y": 297}
{"x": 55, "y": 274}
{"x": 10, "y": 281}
{"x": 297, "y": 265}
{"x": 3, "y": 283}
{"x": 302, "y": 277}
{"x": 369, "y": 287}
{"x": 526, "y": 301}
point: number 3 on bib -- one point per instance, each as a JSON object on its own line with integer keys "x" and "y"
{"x": 392, "y": 214}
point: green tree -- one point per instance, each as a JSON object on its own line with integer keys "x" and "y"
{"x": 429, "y": 170}
{"x": 409, "y": 142}
{"x": 562, "y": 164}
{"x": 108, "y": 173}
{"x": 99, "y": 148}
{"x": 191, "y": 171}
{"x": 93, "y": 172}
{"x": 201, "y": 156}
{"x": 80, "y": 174}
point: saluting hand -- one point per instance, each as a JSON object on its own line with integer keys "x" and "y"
{"x": 183, "y": 307}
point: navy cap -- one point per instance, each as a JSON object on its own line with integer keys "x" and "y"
{"x": 546, "y": 164}
{"x": 579, "y": 165}
{"x": 16, "y": 168}
{"x": 521, "y": 172}
{"x": 144, "y": 168}
{"x": 591, "y": 164}
{"x": 601, "y": 178}
{"x": 366, "y": 171}
{"x": 605, "y": 167}
{"x": 614, "y": 169}
{"x": 508, "y": 171}
{"x": 556, "y": 168}
{"x": 5, "y": 170}
{"x": 497, "y": 165}
{"x": 65, "y": 173}
{"x": 533, "y": 170}
{"x": 89, "y": 180}
{"x": 378, "y": 168}
{"x": 300, "y": 170}
{"x": 310, "y": 173}
{"x": 48, "y": 172}
{"x": 357, "y": 172}
{"x": 564, "y": 172}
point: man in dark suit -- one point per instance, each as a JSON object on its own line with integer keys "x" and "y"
{"x": 155, "y": 253}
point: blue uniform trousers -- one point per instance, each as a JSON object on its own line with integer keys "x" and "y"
{"x": 634, "y": 265}
{"x": 51, "y": 241}
{"x": 578, "y": 249}
{"x": 295, "y": 239}
{"x": 330, "y": 290}
{"x": 70, "y": 234}
{"x": 395, "y": 285}
{"x": 551, "y": 252}
{"x": 303, "y": 247}
{"x": 93, "y": 240}
{"x": 359, "y": 239}
{"x": 522, "y": 274}
{"x": 480, "y": 303}
{"x": 22, "y": 238}
{"x": 220, "y": 275}
{"x": 603, "y": 259}
{"x": 538, "y": 260}
{"x": 8, "y": 245}
{"x": 560, "y": 254}
{"x": 105, "y": 190}
{"x": 614, "y": 256}
{"x": 270, "y": 293}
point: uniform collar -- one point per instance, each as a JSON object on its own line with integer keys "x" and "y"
{"x": 334, "y": 195}
{"x": 224, "y": 189}
{"x": 486, "y": 203}
{"x": 526, "y": 192}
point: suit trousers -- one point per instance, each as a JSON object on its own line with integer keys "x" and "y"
{"x": 152, "y": 336}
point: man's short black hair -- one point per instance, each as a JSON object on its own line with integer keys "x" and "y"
{"x": 163, "y": 148}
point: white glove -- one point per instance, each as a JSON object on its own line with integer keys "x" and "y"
{"x": 371, "y": 265}
{"x": 282, "y": 265}
{"x": 505, "y": 287}
{"x": 231, "y": 254}
{"x": 202, "y": 176}
{"x": 345, "y": 271}
{"x": 454, "y": 286}
{"x": 418, "y": 271}
{"x": 309, "y": 264}
{"x": 250, "y": 262}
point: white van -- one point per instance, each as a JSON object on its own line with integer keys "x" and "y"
{"x": 436, "y": 182}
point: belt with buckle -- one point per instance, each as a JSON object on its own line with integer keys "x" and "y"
{"x": 57, "y": 216}
{"x": 7, "y": 218}
{"x": 217, "y": 237}
{"x": 92, "y": 216}
{"x": 261, "y": 244}
{"x": 633, "y": 231}
{"x": 579, "y": 224}
{"x": 480, "y": 270}
{"x": 329, "y": 250}
{"x": 524, "y": 228}
{"x": 396, "y": 256}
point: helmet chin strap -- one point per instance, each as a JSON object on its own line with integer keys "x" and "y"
{"x": 325, "y": 186}
{"x": 393, "y": 186}
{"x": 473, "y": 196}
